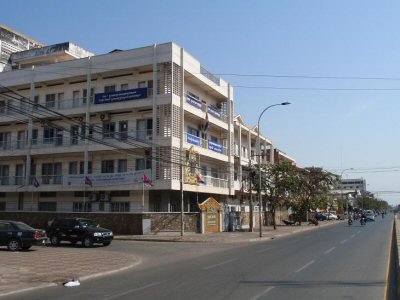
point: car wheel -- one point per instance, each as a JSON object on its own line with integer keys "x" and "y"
{"x": 106, "y": 243}
{"x": 87, "y": 242}
{"x": 26, "y": 247}
{"x": 54, "y": 240}
{"x": 13, "y": 245}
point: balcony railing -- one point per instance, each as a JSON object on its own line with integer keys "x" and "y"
{"x": 206, "y": 144}
{"x": 211, "y": 109}
{"x": 12, "y": 180}
{"x": 67, "y": 141}
{"x": 215, "y": 182}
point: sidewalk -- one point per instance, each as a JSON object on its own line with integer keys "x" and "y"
{"x": 268, "y": 233}
{"x": 50, "y": 266}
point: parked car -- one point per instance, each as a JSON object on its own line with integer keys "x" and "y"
{"x": 370, "y": 216}
{"x": 78, "y": 230}
{"x": 331, "y": 216}
{"x": 17, "y": 235}
{"x": 320, "y": 217}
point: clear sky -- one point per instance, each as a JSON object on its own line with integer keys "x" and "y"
{"x": 348, "y": 119}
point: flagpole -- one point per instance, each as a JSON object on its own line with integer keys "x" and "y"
{"x": 143, "y": 194}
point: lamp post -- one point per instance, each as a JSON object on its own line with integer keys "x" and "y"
{"x": 259, "y": 161}
{"x": 341, "y": 187}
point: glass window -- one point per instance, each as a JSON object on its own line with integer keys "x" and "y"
{"x": 50, "y": 100}
{"x": 122, "y": 165}
{"x": 82, "y": 167}
{"x": 48, "y": 135}
{"x": 107, "y": 166}
{"x": 109, "y": 88}
{"x": 73, "y": 168}
{"x": 140, "y": 164}
{"x": 193, "y": 131}
{"x": 108, "y": 129}
{"x": 120, "y": 206}
{"x": 142, "y": 84}
{"x": 124, "y": 87}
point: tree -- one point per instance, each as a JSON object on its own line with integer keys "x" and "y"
{"x": 312, "y": 191}
{"x": 278, "y": 182}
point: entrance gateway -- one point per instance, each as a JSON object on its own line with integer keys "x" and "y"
{"x": 211, "y": 216}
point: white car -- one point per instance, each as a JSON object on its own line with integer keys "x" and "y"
{"x": 331, "y": 216}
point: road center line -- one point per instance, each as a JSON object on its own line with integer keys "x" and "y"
{"x": 132, "y": 290}
{"x": 353, "y": 235}
{"x": 262, "y": 294}
{"x": 305, "y": 266}
{"x": 344, "y": 241}
{"x": 329, "y": 250}
{"x": 264, "y": 250}
{"x": 220, "y": 264}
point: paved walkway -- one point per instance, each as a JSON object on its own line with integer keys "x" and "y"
{"x": 49, "y": 266}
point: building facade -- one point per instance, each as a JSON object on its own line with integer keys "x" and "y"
{"x": 82, "y": 133}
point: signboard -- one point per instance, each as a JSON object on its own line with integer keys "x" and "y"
{"x": 192, "y": 139}
{"x": 133, "y": 94}
{"x": 193, "y": 101}
{"x": 212, "y": 110}
{"x": 215, "y": 147}
{"x": 105, "y": 179}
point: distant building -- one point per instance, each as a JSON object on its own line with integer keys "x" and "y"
{"x": 358, "y": 184}
{"x": 12, "y": 41}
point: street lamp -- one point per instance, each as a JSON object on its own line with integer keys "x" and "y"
{"x": 259, "y": 161}
{"x": 341, "y": 188}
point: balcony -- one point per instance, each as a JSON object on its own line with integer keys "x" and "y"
{"x": 67, "y": 141}
{"x": 211, "y": 109}
{"x": 215, "y": 182}
{"x": 206, "y": 144}
{"x": 12, "y": 180}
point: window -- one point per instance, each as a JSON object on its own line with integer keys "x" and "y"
{"x": 85, "y": 95}
{"x": 142, "y": 164}
{"x": 82, "y": 167}
{"x": 193, "y": 131}
{"x": 2, "y": 206}
{"x": 124, "y": 87}
{"x": 74, "y": 134}
{"x": 2, "y": 107}
{"x": 19, "y": 174}
{"x": 107, "y": 166}
{"x": 51, "y": 173}
{"x": 123, "y": 130}
{"x": 122, "y": 165}
{"x": 34, "y": 136}
{"x": 109, "y": 88}
{"x": 108, "y": 129}
{"x": 73, "y": 168}
{"x": 214, "y": 172}
{"x": 150, "y": 87}
{"x": 48, "y": 135}
{"x": 60, "y": 98}
{"x": 204, "y": 170}
{"x": 50, "y": 100}
{"x": 4, "y": 174}
{"x": 214, "y": 139}
{"x": 142, "y": 84}
{"x": 144, "y": 128}
{"x": 82, "y": 207}
{"x": 47, "y": 206}
{"x": 35, "y": 102}
{"x": 83, "y": 131}
{"x": 20, "y": 201}
{"x": 120, "y": 207}
{"x": 5, "y": 140}
{"x": 21, "y": 140}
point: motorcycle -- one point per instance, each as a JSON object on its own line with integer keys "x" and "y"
{"x": 363, "y": 222}
{"x": 350, "y": 222}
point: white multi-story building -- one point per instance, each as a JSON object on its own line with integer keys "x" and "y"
{"x": 12, "y": 41}
{"x": 79, "y": 132}
{"x": 356, "y": 184}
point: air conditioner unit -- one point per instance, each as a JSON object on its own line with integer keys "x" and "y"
{"x": 105, "y": 197}
{"x": 105, "y": 117}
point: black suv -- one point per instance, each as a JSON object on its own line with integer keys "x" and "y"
{"x": 78, "y": 230}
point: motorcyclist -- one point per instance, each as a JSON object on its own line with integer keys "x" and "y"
{"x": 363, "y": 218}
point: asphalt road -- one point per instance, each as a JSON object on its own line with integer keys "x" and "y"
{"x": 332, "y": 262}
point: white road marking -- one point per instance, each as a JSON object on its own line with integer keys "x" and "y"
{"x": 132, "y": 290}
{"x": 264, "y": 250}
{"x": 220, "y": 264}
{"x": 262, "y": 294}
{"x": 344, "y": 241}
{"x": 305, "y": 266}
{"x": 329, "y": 250}
{"x": 353, "y": 235}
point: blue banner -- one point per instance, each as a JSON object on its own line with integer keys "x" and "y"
{"x": 193, "y": 101}
{"x": 192, "y": 139}
{"x": 212, "y": 110}
{"x": 133, "y": 94}
{"x": 215, "y": 147}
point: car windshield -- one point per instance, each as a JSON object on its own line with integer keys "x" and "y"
{"x": 23, "y": 226}
{"x": 88, "y": 223}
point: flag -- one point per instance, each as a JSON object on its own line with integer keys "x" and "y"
{"x": 200, "y": 179}
{"x": 88, "y": 181}
{"x": 206, "y": 123}
{"x": 36, "y": 183}
{"x": 147, "y": 181}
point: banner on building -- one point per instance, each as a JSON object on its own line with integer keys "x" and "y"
{"x": 133, "y": 94}
{"x": 105, "y": 179}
